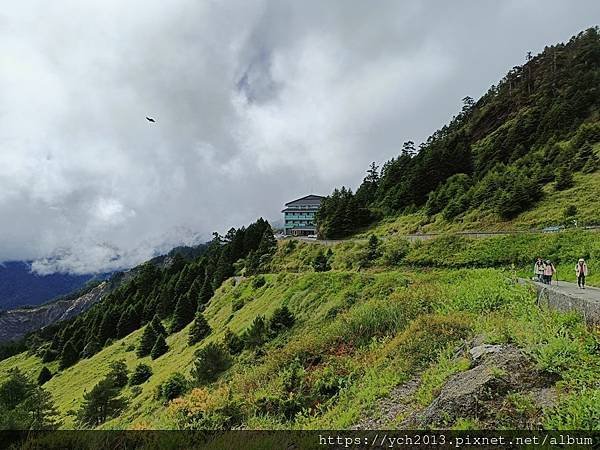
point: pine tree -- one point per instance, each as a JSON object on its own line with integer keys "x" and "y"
{"x": 257, "y": 334}
{"x": 233, "y": 342}
{"x": 41, "y": 411}
{"x": 194, "y": 292}
{"x": 199, "y": 330}
{"x": 564, "y": 179}
{"x": 160, "y": 347}
{"x": 127, "y": 323}
{"x": 147, "y": 341}
{"x": 157, "y": 326}
{"x": 44, "y": 376}
{"x": 69, "y": 355}
{"x": 210, "y": 361}
{"x": 100, "y": 404}
{"x": 183, "y": 315}
{"x": 118, "y": 374}
{"x": 282, "y": 319}
{"x": 206, "y": 293}
{"x": 268, "y": 243}
{"x": 373, "y": 248}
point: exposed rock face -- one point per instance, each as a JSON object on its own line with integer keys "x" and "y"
{"x": 480, "y": 393}
{"x": 16, "y": 323}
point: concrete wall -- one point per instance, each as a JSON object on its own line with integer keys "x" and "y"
{"x": 552, "y": 297}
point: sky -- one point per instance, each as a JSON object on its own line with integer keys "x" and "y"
{"x": 256, "y": 103}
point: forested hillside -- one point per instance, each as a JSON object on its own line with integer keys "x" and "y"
{"x": 250, "y": 333}
{"x": 538, "y": 125}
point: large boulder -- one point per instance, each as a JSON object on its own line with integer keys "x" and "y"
{"x": 480, "y": 392}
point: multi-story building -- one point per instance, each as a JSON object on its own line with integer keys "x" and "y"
{"x": 299, "y": 216}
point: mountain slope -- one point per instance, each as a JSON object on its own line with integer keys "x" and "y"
{"x": 539, "y": 124}
{"x": 21, "y": 287}
{"x": 16, "y": 323}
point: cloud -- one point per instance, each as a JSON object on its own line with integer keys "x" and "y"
{"x": 256, "y": 102}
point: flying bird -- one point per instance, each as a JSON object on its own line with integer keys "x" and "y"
{"x": 150, "y": 119}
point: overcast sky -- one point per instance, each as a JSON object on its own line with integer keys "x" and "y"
{"x": 256, "y": 103}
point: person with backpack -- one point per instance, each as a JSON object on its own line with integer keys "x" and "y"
{"x": 549, "y": 271}
{"x": 538, "y": 270}
{"x": 581, "y": 270}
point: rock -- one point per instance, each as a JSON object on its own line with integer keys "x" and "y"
{"x": 480, "y": 392}
{"x": 16, "y": 323}
{"x": 480, "y": 350}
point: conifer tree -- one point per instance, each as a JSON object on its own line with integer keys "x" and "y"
{"x": 100, "y": 404}
{"x": 194, "y": 292}
{"x": 160, "y": 347}
{"x": 564, "y": 179}
{"x": 157, "y": 326}
{"x": 127, "y": 323}
{"x": 147, "y": 341}
{"x": 44, "y": 376}
{"x": 199, "y": 330}
{"x": 68, "y": 356}
{"x": 268, "y": 243}
{"x": 206, "y": 293}
{"x": 118, "y": 374}
{"x": 183, "y": 315}
{"x": 257, "y": 334}
{"x": 282, "y": 319}
{"x": 233, "y": 342}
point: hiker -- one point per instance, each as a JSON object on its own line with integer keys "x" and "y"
{"x": 549, "y": 270}
{"x": 581, "y": 270}
{"x": 538, "y": 270}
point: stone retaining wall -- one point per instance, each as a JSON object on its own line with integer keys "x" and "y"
{"x": 552, "y": 297}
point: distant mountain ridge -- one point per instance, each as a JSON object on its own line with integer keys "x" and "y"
{"x": 19, "y": 286}
{"x": 16, "y": 323}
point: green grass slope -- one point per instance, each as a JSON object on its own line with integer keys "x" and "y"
{"x": 357, "y": 336}
{"x": 549, "y": 211}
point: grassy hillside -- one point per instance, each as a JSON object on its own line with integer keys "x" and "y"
{"x": 549, "y": 211}
{"x": 496, "y": 157}
{"x": 357, "y": 336}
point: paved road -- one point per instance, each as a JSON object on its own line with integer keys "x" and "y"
{"x": 413, "y": 237}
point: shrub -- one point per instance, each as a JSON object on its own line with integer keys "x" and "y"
{"x": 174, "y": 386}
{"x": 394, "y": 251}
{"x": 118, "y": 373}
{"x": 257, "y": 334}
{"x": 564, "y": 179}
{"x": 135, "y": 391}
{"x": 141, "y": 374}
{"x": 559, "y": 354}
{"x": 282, "y": 319}
{"x": 202, "y": 410}
{"x": 426, "y": 337}
{"x": 237, "y": 304}
{"x": 160, "y": 347}
{"x": 321, "y": 262}
{"x": 580, "y": 411}
{"x": 258, "y": 282}
{"x": 210, "y": 361}
{"x": 44, "y": 376}
{"x": 199, "y": 329}
{"x": 233, "y": 342}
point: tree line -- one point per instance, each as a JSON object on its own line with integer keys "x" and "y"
{"x": 176, "y": 294}
{"x": 537, "y": 126}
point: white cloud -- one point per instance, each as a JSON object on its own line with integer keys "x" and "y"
{"x": 256, "y": 102}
